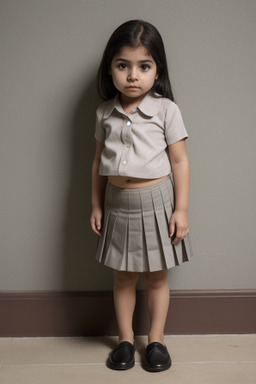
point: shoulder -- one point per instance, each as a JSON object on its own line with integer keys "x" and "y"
{"x": 163, "y": 103}
{"x": 171, "y": 110}
{"x": 169, "y": 105}
{"x": 105, "y": 108}
{"x": 102, "y": 107}
{"x": 166, "y": 108}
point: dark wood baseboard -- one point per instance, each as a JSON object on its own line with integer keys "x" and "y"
{"x": 44, "y": 314}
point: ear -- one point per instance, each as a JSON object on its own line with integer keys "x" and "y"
{"x": 156, "y": 76}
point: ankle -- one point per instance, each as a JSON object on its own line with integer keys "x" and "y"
{"x": 126, "y": 337}
{"x": 154, "y": 338}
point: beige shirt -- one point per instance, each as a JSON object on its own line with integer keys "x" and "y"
{"x": 136, "y": 144}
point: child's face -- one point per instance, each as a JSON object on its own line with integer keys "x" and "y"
{"x": 134, "y": 72}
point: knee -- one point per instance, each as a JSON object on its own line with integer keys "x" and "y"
{"x": 156, "y": 280}
{"x": 123, "y": 279}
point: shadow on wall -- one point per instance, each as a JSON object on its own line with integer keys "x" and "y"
{"x": 81, "y": 272}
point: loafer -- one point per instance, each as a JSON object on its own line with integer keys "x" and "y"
{"x": 122, "y": 357}
{"x": 157, "y": 358}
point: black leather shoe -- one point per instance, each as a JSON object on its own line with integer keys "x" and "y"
{"x": 157, "y": 358}
{"x": 122, "y": 357}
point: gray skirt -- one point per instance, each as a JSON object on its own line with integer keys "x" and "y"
{"x": 135, "y": 234}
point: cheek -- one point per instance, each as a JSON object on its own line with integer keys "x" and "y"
{"x": 116, "y": 81}
{"x": 151, "y": 80}
{"x": 117, "y": 77}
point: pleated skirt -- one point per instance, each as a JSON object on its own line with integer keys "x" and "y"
{"x": 135, "y": 234}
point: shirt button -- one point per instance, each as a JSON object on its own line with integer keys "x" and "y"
{"x": 124, "y": 162}
{"x": 128, "y": 123}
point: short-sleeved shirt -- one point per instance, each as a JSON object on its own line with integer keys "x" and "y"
{"x": 136, "y": 145}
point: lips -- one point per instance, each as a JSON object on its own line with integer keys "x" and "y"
{"x": 132, "y": 87}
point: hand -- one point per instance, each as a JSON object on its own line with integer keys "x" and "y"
{"x": 179, "y": 226}
{"x": 96, "y": 219}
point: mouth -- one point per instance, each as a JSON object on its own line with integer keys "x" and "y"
{"x": 132, "y": 87}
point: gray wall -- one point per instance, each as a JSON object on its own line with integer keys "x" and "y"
{"x": 50, "y": 51}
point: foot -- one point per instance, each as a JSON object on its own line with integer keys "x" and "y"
{"x": 157, "y": 358}
{"x": 122, "y": 357}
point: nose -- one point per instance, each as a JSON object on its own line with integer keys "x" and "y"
{"x": 132, "y": 75}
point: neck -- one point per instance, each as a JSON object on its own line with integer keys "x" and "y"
{"x": 128, "y": 103}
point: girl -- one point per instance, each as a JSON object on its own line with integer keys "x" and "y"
{"x": 140, "y": 156}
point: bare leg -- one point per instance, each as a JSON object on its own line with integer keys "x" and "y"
{"x": 158, "y": 303}
{"x": 125, "y": 299}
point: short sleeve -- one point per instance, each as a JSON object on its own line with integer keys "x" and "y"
{"x": 99, "y": 129}
{"x": 174, "y": 126}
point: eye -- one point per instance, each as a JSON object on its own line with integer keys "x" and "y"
{"x": 144, "y": 67}
{"x": 122, "y": 66}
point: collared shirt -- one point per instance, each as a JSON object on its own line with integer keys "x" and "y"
{"x": 136, "y": 145}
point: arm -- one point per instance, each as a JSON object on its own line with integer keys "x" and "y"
{"x": 98, "y": 191}
{"x": 181, "y": 174}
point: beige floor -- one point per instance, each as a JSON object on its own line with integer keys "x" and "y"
{"x": 209, "y": 359}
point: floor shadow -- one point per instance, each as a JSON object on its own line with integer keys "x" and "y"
{"x": 110, "y": 342}
{"x": 80, "y": 270}
{"x": 141, "y": 347}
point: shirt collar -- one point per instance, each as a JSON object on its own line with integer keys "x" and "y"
{"x": 149, "y": 106}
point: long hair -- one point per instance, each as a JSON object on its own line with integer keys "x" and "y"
{"x": 134, "y": 33}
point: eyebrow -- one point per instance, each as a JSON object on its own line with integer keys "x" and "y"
{"x": 140, "y": 61}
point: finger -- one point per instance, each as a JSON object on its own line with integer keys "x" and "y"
{"x": 98, "y": 225}
{"x": 96, "y": 231}
{"x": 176, "y": 240}
{"x": 184, "y": 233}
{"x": 178, "y": 237}
{"x": 94, "y": 227}
{"x": 172, "y": 228}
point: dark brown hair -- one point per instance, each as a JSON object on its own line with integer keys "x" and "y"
{"x": 131, "y": 34}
